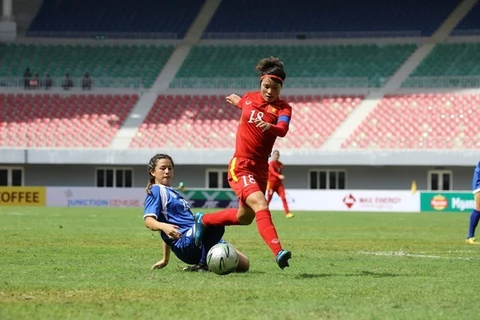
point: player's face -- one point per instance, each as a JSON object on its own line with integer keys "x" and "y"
{"x": 276, "y": 155}
{"x": 270, "y": 89}
{"x": 163, "y": 172}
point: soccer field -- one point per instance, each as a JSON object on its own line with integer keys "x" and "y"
{"x": 88, "y": 263}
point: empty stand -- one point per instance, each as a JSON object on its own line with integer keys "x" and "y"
{"x": 101, "y": 61}
{"x": 327, "y": 18}
{"x": 68, "y": 121}
{"x": 420, "y": 121}
{"x": 376, "y": 63}
{"x": 112, "y": 19}
{"x": 470, "y": 24}
{"x": 451, "y": 65}
{"x": 208, "y": 122}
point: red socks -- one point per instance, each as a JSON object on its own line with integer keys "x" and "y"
{"x": 227, "y": 217}
{"x": 267, "y": 230}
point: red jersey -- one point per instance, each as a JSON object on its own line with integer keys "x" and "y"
{"x": 274, "y": 170}
{"x": 251, "y": 142}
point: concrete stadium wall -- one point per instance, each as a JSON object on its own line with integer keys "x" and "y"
{"x": 194, "y": 176}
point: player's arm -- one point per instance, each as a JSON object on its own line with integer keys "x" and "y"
{"x": 279, "y": 129}
{"x": 271, "y": 170}
{"x": 152, "y": 206}
{"x": 172, "y": 231}
{"x": 234, "y": 100}
{"x": 166, "y": 257}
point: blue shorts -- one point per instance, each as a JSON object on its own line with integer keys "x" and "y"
{"x": 476, "y": 180}
{"x": 185, "y": 248}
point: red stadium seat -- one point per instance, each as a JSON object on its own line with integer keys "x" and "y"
{"x": 83, "y": 121}
{"x": 205, "y": 121}
{"x": 420, "y": 121}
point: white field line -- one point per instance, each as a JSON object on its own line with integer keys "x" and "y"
{"x": 402, "y": 253}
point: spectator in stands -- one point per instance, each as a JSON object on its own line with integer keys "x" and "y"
{"x": 67, "y": 82}
{"x": 27, "y": 74}
{"x": 264, "y": 118}
{"x": 166, "y": 211}
{"x": 275, "y": 182}
{"x": 86, "y": 82}
{"x": 475, "y": 216}
{"x": 47, "y": 81}
{"x": 35, "y": 81}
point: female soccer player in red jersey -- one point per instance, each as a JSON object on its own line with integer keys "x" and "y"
{"x": 264, "y": 118}
{"x": 275, "y": 182}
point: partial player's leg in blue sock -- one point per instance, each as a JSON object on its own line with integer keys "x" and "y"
{"x": 474, "y": 218}
{"x": 212, "y": 236}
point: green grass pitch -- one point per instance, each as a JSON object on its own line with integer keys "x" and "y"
{"x": 89, "y": 263}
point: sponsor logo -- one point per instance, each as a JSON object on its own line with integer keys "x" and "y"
{"x": 72, "y": 201}
{"x": 439, "y": 202}
{"x": 349, "y": 200}
{"x": 22, "y": 196}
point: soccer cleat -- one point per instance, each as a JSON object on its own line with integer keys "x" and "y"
{"x": 289, "y": 215}
{"x": 282, "y": 258}
{"x": 201, "y": 267}
{"x": 471, "y": 241}
{"x": 199, "y": 228}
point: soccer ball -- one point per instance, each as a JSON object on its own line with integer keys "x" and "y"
{"x": 222, "y": 259}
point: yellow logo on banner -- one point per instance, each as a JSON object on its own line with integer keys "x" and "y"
{"x": 22, "y": 196}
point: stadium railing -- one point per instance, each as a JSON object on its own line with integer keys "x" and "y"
{"x": 465, "y": 32}
{"x": 442, "y": 82}
{"x": 249, "y": 83}
{"x": 417, "y": 142}
{"x": 363, "y": 144}
{"x": 97, "y": 82}
{"x": 104, "y": 35}
{"x": 311, "y": 35}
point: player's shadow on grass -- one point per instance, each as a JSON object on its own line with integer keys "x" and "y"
{"x": 358, "y": 274}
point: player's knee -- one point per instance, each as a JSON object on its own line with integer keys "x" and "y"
{"x": 477, "y": 201}
{"x": 246, "y": 218}
{"x": 245, "y": 215}
{"x": 257, "y": 202}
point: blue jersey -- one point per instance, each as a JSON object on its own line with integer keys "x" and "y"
{"x": 476, "y": 179}
{"x": 166, "y": 205}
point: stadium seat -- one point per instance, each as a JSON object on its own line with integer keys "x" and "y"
{"x": 206, "y": 121}
{"x": 107, "y": 62}
{"x": 451, "y": 64}
{"x": 132, "y": 19}
{"x": 375, "y": 63}
{"x": 327, "y": 18}
{"x": 470, "y": 24}
{"x": 63, "y": 121}
{"x": 420, "y": 121}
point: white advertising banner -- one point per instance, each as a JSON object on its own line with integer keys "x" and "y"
{"x": 349, "y": 200}
{"x": 298, "y": 199}
{"x": 95, "y": 197}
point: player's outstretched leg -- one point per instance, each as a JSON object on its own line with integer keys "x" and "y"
{"x": 282, "y": 258}
{"x": 199, "y": 228}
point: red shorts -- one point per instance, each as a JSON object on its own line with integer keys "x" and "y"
{"x": 274, "y": 185}
{"x": 247, "y": 176}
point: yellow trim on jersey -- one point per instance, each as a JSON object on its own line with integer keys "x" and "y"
{"x": 233, "y": 163}
{"x": 268, "y": 185}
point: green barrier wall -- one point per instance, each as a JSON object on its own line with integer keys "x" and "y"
{"x": 446, "y": 201}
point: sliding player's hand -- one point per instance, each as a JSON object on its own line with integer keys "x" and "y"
{"x": 160, "y": 264}
{"x": 172, "y": 231}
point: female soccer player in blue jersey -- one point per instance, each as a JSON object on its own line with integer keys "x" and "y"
{"x": 165, "y": 210}
{"x": 475, "y": 216}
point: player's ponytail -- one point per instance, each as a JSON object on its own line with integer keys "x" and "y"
{"x": 151, "y": 168}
